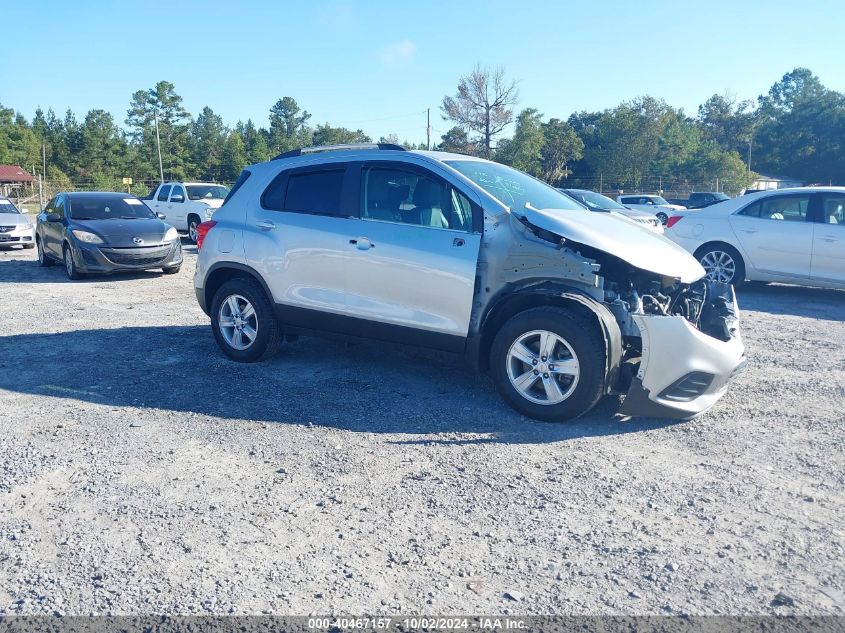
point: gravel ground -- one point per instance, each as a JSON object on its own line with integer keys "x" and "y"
{"x": 141, "y": 472}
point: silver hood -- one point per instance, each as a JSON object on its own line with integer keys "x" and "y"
{"x": 636, "y": 245}
{"x": 15, "y": 219}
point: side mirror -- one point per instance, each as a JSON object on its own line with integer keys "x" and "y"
{"x": 161, "y": 216}
{"x": 177, "y": 198}
{"x": 54, "y": 217}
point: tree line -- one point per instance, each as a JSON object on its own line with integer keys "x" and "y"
{"x": 797, "y": 128}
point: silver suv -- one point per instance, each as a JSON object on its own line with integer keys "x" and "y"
{"x": 560, "y": 304}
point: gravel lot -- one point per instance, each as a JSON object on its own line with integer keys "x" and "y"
{"x": 141, "y": 472}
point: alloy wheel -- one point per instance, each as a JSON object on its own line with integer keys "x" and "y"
{"x": 719, "y": 265}
{"x": 238, "y": 322}
{"x": 69, "y": 263}
{"x": 193, "y": 233}
{"x": 543, "y": 367}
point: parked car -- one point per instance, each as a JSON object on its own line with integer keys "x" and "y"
{"x": 597, "y": 202}
{"x": 701, "y": 199}
{"x": 104, "y": 232}
{"x": 187, "y": 204}
{"x": 466, "y": 255}
{"x": 788, "y": 235}
{"x": 649, "y": 202}
{"x": 16, "y": 228}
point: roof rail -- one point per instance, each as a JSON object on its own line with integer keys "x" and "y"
{"x": 329, "y": 148}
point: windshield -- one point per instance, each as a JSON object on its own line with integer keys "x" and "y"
{"x": 108, "y": 208}
{"x": 207, "y": 192}
{"x": 513, "y": 188}
{"x": 6, "y": 206}
{"x": 658, "y": 199}
{"x": 594, "y": 200}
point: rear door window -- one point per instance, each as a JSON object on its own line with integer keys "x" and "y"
{"x": 177, "y": 191}
{"x": 833, "y": 210}
{"x": 318, "y": 191}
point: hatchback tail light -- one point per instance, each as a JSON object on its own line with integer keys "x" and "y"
{"x": 202, "y": 231}
{"x": 672, "y": 221}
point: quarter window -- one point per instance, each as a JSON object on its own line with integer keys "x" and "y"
{"x": 779, "y": 208}
{"x": 408, "y": 197}
{"x": 163, "y": 193}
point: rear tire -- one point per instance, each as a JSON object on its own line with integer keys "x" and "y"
{"x": 43, "y": 258}
{"x": 243, "y": 321}
{"x": 70, "y": 266}
{"x": 171, "y": 270}
{"x": 663, "y": 217}
{"x": 571, "y": 365}
{"x": 29, "y": 246}
{"x": 723, "y": 263}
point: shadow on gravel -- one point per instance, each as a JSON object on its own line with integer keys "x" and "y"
{"x": 814, "y": 303}
{"x": 363, "y": 387}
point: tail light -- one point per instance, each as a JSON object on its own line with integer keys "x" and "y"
{"x": 672, "y": 221}
{"x": 202, "y": 231}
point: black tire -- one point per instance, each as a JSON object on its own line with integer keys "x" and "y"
{"x": 663, "y": 217}
{"x": 193, "y": 222}
{"x": 29, "y": 246}
{"x": 584, "y": 339}
{"x": 269, "y": 335}
{"x": 171, "y": 270}
{"x": 70, "y": 266}
{"x": 738, "y": 277}
{"x": 43, "y": 258}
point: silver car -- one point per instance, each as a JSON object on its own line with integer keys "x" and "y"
{"x": 16, "y": 228}
{"x": 560, "y": 304}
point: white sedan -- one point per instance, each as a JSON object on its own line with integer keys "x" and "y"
{"x": 787, "y": 235}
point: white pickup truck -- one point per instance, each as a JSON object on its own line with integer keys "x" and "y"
{"x": 186, "y": 204}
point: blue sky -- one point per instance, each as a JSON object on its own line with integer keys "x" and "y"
{"x": 379, "y": 64}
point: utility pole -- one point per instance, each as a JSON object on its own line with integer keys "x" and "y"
{"x": 428, "y": 129}
{"x": 158, "y": 145}
{"x": 44, "y": 159}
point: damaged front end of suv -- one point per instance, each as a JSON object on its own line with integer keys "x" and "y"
{"x": 671, "y": 337}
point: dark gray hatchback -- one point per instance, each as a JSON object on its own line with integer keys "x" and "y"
{"x": 103, "y": 232}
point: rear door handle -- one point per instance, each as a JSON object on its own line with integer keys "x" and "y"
{"x": 830, "y": 238}
{"x": 266, "y": 225}
{"x": 362, "y": 243}
{"x": 748, "y": 230}
{"x": 458, "y": 241}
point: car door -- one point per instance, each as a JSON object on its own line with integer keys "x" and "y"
{"x": 159, "y": 201}
{"x": 776, "y": 235}
{"x": 828, "y": 260}
{"x": 176, "y": 208}
{"x": 54, "y": 226}
{"x": 414, "y": 255}
{"x": 297, "y": 238}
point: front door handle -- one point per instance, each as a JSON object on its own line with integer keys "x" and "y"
{"x": 748, "y": 230}
{"x": 266, "y": 225}
{"x": 362, "y": 243}
{"x": 830, "y": 238}
{"x": 458, "y": 241}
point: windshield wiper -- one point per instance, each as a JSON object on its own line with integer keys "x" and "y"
{"x": 76, "y": 217}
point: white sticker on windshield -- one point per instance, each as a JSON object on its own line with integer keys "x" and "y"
{"x": 132, "y": 201}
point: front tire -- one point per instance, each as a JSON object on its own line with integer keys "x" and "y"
{"x": 29, "y": 247}
{"x": 722, "y": 263}
{"x": 548, "y": 364}
{"x": 43, "y": 258}
{"x": 193, "y": 231}
{"x": 662, "y": 217}
{"x": 70, "y": 266}
{"x": 243, "y": 321}
{"x": 171, "y": 270}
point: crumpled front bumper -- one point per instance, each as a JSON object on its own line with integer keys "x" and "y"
{"x": 683, "y": 371}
